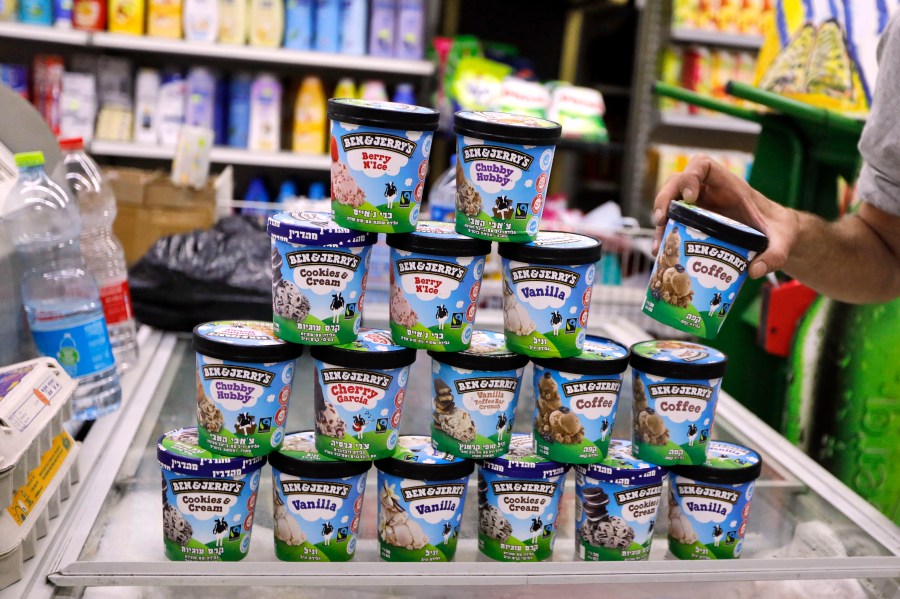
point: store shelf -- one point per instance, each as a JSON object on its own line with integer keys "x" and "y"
{"x": 219, "y": 155}
{"x": 284, "y": 56}
{"x": 41, "y": 33}
{"x": 581, "y": 145}
{"x": 717, "y": 38}
{"x": 719, "y": 123}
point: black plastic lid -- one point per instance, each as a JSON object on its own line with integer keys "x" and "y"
{"x": 553, "y": 248}
{"x": 720, "y": 227}
{"x": 726, "y": 463}
{"x": 243, "y": 341}
{"x": 599, "y": 356}
{"x": 373, "y": 349}
{"x": 507, "y": 127}
{"x": 438, "y": 239}
{"x": 415, "y": 458}
{"x": 311, "y": 464}
{"x": 487, "y": 351}
{"x": 678, "y": 359}
{"x": 388, "y": 115}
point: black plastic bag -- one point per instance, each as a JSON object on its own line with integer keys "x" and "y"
{"x": 206, "y": 274}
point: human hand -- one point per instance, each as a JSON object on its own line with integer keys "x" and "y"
{"x": 710, "y": 185}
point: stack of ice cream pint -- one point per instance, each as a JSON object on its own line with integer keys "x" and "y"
{"x": 380, "y": 151}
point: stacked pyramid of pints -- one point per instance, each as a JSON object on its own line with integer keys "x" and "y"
{"x": 380, "y": 154}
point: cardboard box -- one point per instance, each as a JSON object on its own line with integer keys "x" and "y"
{"x": 150, "y": 206}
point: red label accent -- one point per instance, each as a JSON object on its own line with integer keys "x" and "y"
{"x": 116, "y": 300}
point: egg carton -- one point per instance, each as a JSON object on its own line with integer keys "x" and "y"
{"x": 37, "y": 457}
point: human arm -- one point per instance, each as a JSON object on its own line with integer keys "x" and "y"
{"x": 855, "y": 259}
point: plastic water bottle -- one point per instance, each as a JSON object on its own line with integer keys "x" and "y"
{"x": 442, "y": 197}
{"x": 102, "y": 252}
{"x": 61, "y": 298}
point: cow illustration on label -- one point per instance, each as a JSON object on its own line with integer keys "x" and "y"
{"x": 390, "y": 192}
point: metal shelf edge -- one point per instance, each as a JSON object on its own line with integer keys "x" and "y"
{"x": 717, "y": 38}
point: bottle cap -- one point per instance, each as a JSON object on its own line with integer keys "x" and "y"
{"x": 26, "y": 159}
{"x": 71, "y": 143}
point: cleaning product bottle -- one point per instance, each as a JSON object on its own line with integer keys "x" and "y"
{"x": 164, "y": 18}
{"x": 373, "y": 90}
{"x": 220, "y": 111}
{"x": 266, "y": 23}
{"x": 170, "y": 108}
{"x": 287, "y": 191}
{"x": 233, "y": 21}
{"x": 310, "y": 120}
{"x": 345, "y": 88}
{"x": 89, "y": 15}
{"x": 9, "y": 10}
{"x": 354, "y": 26}
{"x": 201, "y": 93}
{"x": 126, "y": 16}
{"x": 239, "y": 109}
{"x": 316, "y": 191}
{"x": 328, "y": 26}
{"x": 409, "y": 39}
{"x": 265, "y": 114}
{"x": 382, "y": 24}
{"x": 298, "y": 28}
{"x": 36, "y": 12}
{"x": 201, "y": 20}
{"x": 62, "y": 13}
{"x": 256, "y": 192}
{"x": 404, "y": 94}
{"x": 146, "y": 97}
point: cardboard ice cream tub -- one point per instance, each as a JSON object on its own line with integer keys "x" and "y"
{"x": 503, "y": 163}
{"x": 244, "y": 378}
{"x": 709, "y": 505}
{"x": 421, "y": 493}
{"x": 518, "y": 503}
{"x": 701, "y": 266}
{"x": 676, "y": 388}
{"x": 359, "y": 391}
{"x": 547, "y": 288}
{"x": 317, "y": 502}
{"x": 616, "y": 504}
{"x": 435, "y": 281}
{"x": 379, "y": 160}
{"x": 476, "y": 392}
{"x": 576, "y": 400}
{"x": 318, "y": 278}
{"x": 208, "y": 500}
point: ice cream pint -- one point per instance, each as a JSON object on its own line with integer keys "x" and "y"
{"x": 208, "y": 500}
{"x": 244, "y": 376}
{"x": 518, "y": 503}
{"x": 503, "y": 165}
{"x": 701, "y": 266}
{"x": 421, "y": 492}
{"x": 317, "y": 502}
{"x": 547, "y": 287}
{"x": 318, "y": 278}
{"x": 616, "y": 502}
{"x": 435, "y": 281}
{"x": 379, "y": 160}
{"x": 576, "y": 400}
{"x": 709, "y": 505}
{"x": 676, "y": 386}
{"x": 476, "y": 392}
{"x": 359, "y": 391}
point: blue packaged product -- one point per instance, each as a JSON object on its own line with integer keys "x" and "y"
{"x": 63, "y": 13}
{"x": 239, "y": 110}
{"x": 317, "y": 502}
{"x": 701, "y": 266}
{"x": 709, "y": 505}
{"x": 359, "y": 392}
{"x": 616, "y": 504}
{"x": 354, "y": 26}
{"x": 379, "y": 161}
{"x": 435, "y": 281}
{"x": 298, "y": 24}
{"x": 502, "y": 171}
{"x": 576, "y": 400}
{"x": 244, "y": 377}
{"x": 518, "y": 503}
{"x": 382, "y": 27}
{"x": 327, "y": 37}
{"x": 409, "y": 38}
{"x": 421, "y": 493}
{"x": 476, "y": 392}
{"x": 208, "y": 500}
{"x": 201, "y": 97}
{"x": 547, "y": 289}
{"x": 318, "y": 278}
{"x": 220, "y": 112}
{"x": 676, "y": 387}
{"x": 36, "y": 12}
